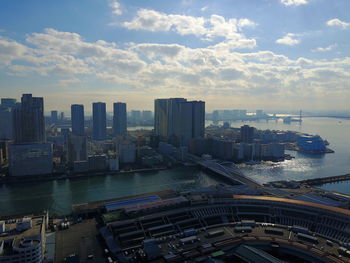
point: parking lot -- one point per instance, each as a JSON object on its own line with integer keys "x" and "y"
{"x": 79, "y": 239}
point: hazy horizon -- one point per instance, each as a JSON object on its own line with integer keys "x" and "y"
{"x": 259, "y": 54}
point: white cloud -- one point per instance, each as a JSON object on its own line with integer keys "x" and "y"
{"x": 215, "y": 72}
{"x": 116, "y": 7}
{"x": 244, "y": 22}
{"x": 289, "y": 39}
{"x": 158, "y": 50}
{"x": 338, "y": 23}
{"x": 10, "y": 50}
{"x": 152, "y": 20}
{"x": 324, "y": 49}
{"x": 294, "y": 2}
{"x": 207, "y": 28}
{"x": 204, "y": 8}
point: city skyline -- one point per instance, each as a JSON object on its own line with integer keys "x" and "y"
{"x": 278, "y": 54}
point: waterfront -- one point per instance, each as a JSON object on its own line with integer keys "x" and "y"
{"x": 305, "y": 166}
{"x": 58, "y": 195}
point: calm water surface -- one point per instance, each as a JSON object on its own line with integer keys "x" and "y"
{"x": 58, "y": 196}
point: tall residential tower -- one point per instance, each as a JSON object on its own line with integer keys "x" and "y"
{"x": 119, "y": 118}
{"x": 77, "y": 119}
{"x": 180, "y": 119}
{"x": 28, "y": 120}
{"x": 99, "y": 129}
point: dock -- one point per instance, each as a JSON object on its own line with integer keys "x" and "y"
{"x": 325, "y": 180}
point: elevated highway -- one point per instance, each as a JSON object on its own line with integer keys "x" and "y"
{"x": 230, "y": 173}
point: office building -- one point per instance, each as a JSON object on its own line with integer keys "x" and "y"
{"x": 146, "y": 115}
{"x": 30, "y": 159}
{"x": 6, "y": 118}
{"x": 54, "y": 116}
{"x": 127, "y": 152}
{"x": 97, "y": 162}
{"x": 179, "y": 120}
{"x": 99, "y": 128}
{"x": 77, "y": 119}
{"x": 28, "y": 120}
{"x": 247, "y": 134}
{"x": 135, "y": 117}
{"x": 119, "y": 118}
{"x": 77, "y": 148}
{"x": 6, "y": 124}
{"x": 80, "y": 166}
{"x": 198, "y": 118}
{"x": 8, "y": 103}
{"x": 113, "y": 164}
{"x": 161, "y": 117}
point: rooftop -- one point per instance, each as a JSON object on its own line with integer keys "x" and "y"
{"x": 11, "y": 232}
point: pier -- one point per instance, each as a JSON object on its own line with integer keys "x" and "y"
{"x": 325, "y": 180}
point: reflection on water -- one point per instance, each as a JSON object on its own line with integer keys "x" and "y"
{"x": 306, "y": 165}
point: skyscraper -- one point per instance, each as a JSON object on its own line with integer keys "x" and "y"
{"x": 198, "y": 117}
{"x": 247, "y": 134}
{"x": 167, "y": 116}
{"x": 54, "y": 116}
{"x": 6, "y": 124}
{"x": 119, "y": 118}
{"x": 77, "y": 119}
{"x": 179, "y": 118}
{"x": 6, "y": 118}
{"x": 28, "y": 120}
{"x": 99, "y": 121}
{"x": 161, "y": 117}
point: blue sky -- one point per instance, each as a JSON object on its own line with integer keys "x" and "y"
{"x": 269, "y": 54}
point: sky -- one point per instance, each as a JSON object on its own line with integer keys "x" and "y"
{"x": 233, "y": 54}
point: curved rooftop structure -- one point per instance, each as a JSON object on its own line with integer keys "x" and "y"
{"x": 236, "y": 228}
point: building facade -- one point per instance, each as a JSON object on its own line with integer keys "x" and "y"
{"x": 54, "y": 117}
{"x": 179, "y": 119}
{"x": 6, "y": 124}
{"x": 247, "y": 134}
{"x": 99, "y": 129}
{"x": 30, "y": 159}
{"x": 28, "y": 120}
{"x": 77, "y": 119}
{"x": 77, "y": 148}
{"x": 119, "y": 119}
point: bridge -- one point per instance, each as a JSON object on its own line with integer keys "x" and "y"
{"x": 326, "y": 180}
{"x": 230, "y": 173}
